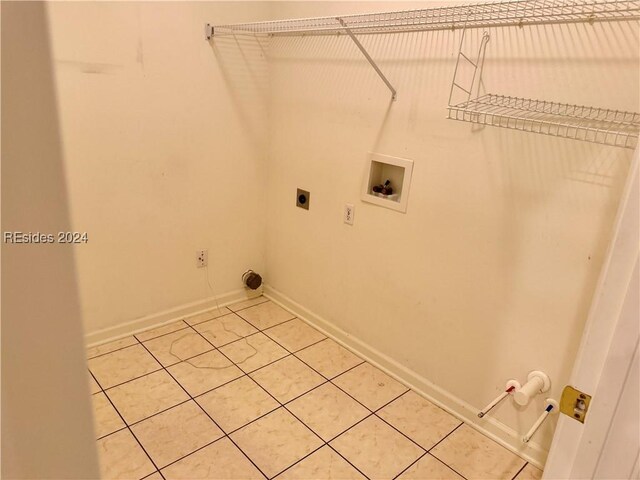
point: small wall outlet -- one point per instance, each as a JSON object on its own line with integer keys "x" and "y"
{"x": 202, "y": 258}
{"x": 348, "y": 213}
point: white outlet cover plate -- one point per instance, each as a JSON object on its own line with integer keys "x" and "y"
{"x": 349, "y": 212}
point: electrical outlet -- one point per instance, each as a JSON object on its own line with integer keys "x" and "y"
{"x": 348, "y": 213}
{"x": 202, "y": 258}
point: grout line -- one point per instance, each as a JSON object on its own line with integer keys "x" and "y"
{"x": 391, "y": 401}
{"x": 134, "y": 378}
{"x": 256, "y": 369}
{"x": 110, "y": 433}
{"x": 95, "y": 380}
{"x": 179, "y": 319}
{"x": 400, "y": 432}
{"x": 222, "y": 384}
{"x": 157, "y": 471}
{"x": 427, "y": 454}
{"x": 348, "y": 461}
{"x": 240, "y": 337}
{"x": 439, "y": 442}
{"x": 411, "y": 464}
{"x": 518, "y": 472}
{"x": 153, "y": 473}
{"x": 270, "y": 326}
{"x": 205, "y": 412}
{"x": 368, "y": 415}
{"x": 281, "y": 404}
{"x": 442, "y": 439}
{"x": 128, "y": 427}
{"x": 134, "y": 436}
{"x": 116, "y": 350}
{"x": 304, "y": 393}
{"x": 221, "y": 437}
{"x": 207, "y": 319}
{"x": 135, "y": 335}
{"x": 111, "y": 351}
{"x": 231, "y": 432}
{"x": 250, "y": 306}
{"x": 133, "y": 424}
{"x": 446, "y": 465}
{"x": 301, "y": 459}
{"x": 290, "y": 351}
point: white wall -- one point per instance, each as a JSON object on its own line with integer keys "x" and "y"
{"x": 47, "y": 432}
{"x": 164, "y": 147}
{"x": 491, "y": 271}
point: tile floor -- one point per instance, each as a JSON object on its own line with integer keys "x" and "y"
{"x": 251, "y": 392}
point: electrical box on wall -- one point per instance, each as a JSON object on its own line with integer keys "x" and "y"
{"x": 386, "y": 181}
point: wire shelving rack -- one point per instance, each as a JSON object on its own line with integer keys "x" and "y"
{"x": 476, "y": 15}
{"x": 597, "y": 125}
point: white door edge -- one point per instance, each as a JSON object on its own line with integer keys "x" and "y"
{"x": 567, "y": 447}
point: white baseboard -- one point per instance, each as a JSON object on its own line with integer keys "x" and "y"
{"x": 501, "y": 433}
{"x": 167, "y": 316}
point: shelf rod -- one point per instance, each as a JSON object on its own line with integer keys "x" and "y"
{"x": 368, "y": 57}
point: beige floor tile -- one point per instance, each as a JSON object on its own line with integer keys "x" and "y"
{"x": 419, "y": 419}
{"x": 329, "y": 358}
{"x": 530, "y": 473}
{"x": 122, "y": 458}
{"x": 322, "y": 464}
{"x": 248, "y": 303}
{"x": 105, "y": 418}
{"x": 93, "y": 385}
{"x": 376, "y": 449}
{"x": 327, "y": 410}
{"x": 370, "y": 386}
{"x": 429, "y": 468}
{"x": 219, "y": 461}
{"x": 111, "y": 346}
{"x": 237, "y": 403}
{"x": 122, "y": 365}
{"x": 294, "y": 335}
{"x": 162, "y": 330}
{"x": 177, "y": 346}
{"x": 253, "y": 352}
{"x": 141, "y": 398}
{"x": 276, "y": 441}
{"x": 176, "y": 432}
{"x": 208, "y": 315}
{"x": 225, "y": 329}
{"x": 205, "y": 372}
{"x": 265, "y": 315}
{"x": 476, "y": 456}
{"x": 287, "y": 378}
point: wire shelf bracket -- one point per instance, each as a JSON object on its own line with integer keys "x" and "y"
{"x": 368, "y": 57}
{"x": 209, "y": 31}
{"x": 473, "y": 87}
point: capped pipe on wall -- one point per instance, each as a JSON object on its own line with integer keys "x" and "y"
{"x": 537, "y": 382}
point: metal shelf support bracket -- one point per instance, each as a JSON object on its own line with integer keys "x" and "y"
{"x": 472, "y": 90}
{"x": 368, "y": 57}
